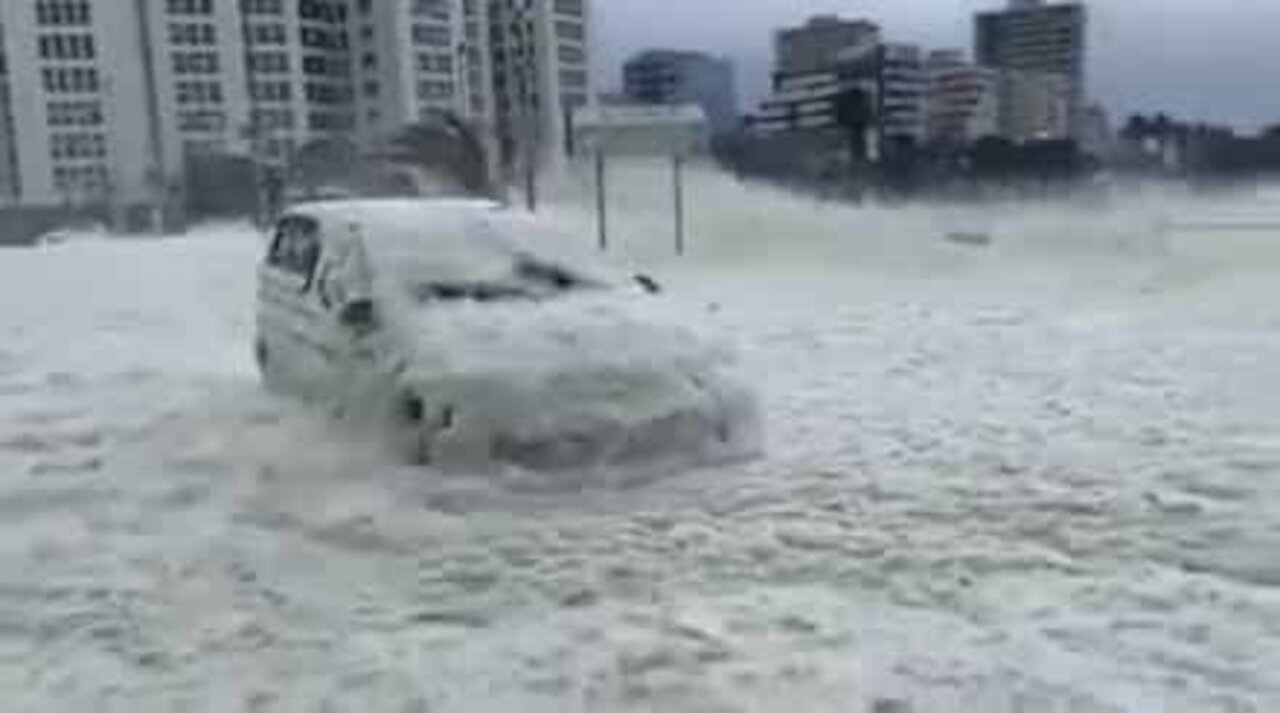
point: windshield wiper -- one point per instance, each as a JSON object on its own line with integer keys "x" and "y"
{"x": 470, "y": 291}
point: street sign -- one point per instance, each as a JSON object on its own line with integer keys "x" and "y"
{"x": 642, "y": 130}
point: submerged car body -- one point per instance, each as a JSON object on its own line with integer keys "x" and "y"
{"x": 444, "y": 324}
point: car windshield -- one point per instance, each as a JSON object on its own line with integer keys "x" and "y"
{"x": 529, "y": 278}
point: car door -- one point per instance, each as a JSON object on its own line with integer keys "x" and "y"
{"x": 352, "y": 334}
{"x": 291, "y": 318}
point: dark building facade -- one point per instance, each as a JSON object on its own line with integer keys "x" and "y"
{"x": 1035, "y": 38}
{"x": 672, "y": 77}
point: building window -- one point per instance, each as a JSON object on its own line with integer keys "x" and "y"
{"x": 272, "y": 119}
{"x": 88, "y": 179}
{"x": 570, "y": 30}
{"x": 267, "y": 34}
{"x": 435, "y": 89}
{"x": 323, "y": 39}
{"x": 192, "y": 33}
{"x": 199, "y": 93}
{"x": 573, "y": 78}
{"x": 271, "y": 91}
{"x": 330, "y": 122}
{"x": 333, "y": 13}
{"x": 190, "y": 7}
{"x": 77, "y": 46}
{"x": 77, "y": 146}
{"x": 569, "y": 53}
{"x": 70, "y": 80}
{"x": 442, "y": 63}
{"x": 327, "y": 94}
{"x": 195, "y": 63}
{"x": 63, "y": 12}
{"x": 262, "y": 7}
{"x": 438, "y": 9}
{"x": 434, "y": 35}
{"x": 74, "y": 113}
{"x": 202, "y": 121}
{"x": 569, "y": 7}
{"x": 268, "y": 62}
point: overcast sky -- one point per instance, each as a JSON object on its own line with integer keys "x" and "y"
{"x": 1210, "y": 59}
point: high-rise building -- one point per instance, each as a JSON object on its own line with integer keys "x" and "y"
{"x": 193, "y": 56}
{"x": 885, "y": 82}
{"x": 672, "y": 77}
{"x": 80, "y": 120}
{"x": 299, "y": 71}
{"x": 903, "y": 95}
{"x": 1035, "y": 106}
{"x": 540, "y": 51}
{"x": 119, "y": 96}
{"x": 819, "y": 43}
{"x": 963, "y": 101}
{"x": 9, "y": 186}
{"x": 1032, "y": 38}
{"x": 416, "y": 56}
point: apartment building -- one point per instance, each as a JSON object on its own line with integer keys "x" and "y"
{"x": 81, "y": 131}
{"x": 194, "y": 62}
{"x": 1036, "y": 106}
{"x": 118, "y": 96}
{"x": 888, "y": 79}
{"x": 541, "y": 71}
{"x": 9, "y": 186}
{"x": 963, "y": 100}
{"x": 299, "y": 73}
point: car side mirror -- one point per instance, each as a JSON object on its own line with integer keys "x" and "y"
{"x": 358, "y": 315}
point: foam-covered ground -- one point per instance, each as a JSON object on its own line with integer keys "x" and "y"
{"x": 1041, "y": 476}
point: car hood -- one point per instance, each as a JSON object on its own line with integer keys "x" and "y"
{"x": 576, "y": 381}
{"x": 526, "y": 340}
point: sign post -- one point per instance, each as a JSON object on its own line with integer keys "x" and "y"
{"x": 646, "y": 131}
{"x": 677, "y": 179}
{"x": 602, "y": 200}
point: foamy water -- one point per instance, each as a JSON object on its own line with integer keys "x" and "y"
{"x": 1039, "y": 475}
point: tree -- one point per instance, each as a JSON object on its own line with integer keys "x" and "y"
{"x": 326, "y": 165}
{"x": 446, "y": 148}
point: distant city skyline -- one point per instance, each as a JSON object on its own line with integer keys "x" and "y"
{"x": 1196, "y": 60}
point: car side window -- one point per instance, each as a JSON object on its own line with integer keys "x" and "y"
{"x": 296, "y": 247}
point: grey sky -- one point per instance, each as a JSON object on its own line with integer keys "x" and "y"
{"x": 1197, "y": 58}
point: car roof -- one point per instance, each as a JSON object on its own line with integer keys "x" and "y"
{"x": 375, "y": 212}
{"x": 432, "y": 238}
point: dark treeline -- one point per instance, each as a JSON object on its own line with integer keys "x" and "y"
{"x": 842, "y": 167}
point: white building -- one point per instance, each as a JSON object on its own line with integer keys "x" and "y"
{"x": 1036, "y": 106}
{"x": 540, "y": 68}
{"x": 9, "y": 186}
{"x": 963, "y": 99}
{"x": 110, "y": 100}
{"x": 903, "y": 94}
{"x": 194, "y": 57}
{"x": 80, "y": 117}
{"x": 888, "y": 78}
{"x": 300, "y": 74}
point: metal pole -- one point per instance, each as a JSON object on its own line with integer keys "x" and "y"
{"x": 531, "y": 180}
{"x": 677, "y": 175}
{"x": 602, "y": 204}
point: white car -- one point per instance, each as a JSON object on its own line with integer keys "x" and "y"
{"x": 446, "y": 326}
